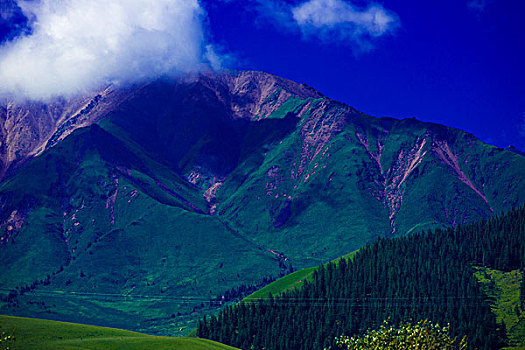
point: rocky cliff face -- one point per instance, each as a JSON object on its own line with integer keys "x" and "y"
{"x": 208, "y": 183}
{"x": 27, "y": 128}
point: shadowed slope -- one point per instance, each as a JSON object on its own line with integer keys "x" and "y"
{"x": 187, "y": 189}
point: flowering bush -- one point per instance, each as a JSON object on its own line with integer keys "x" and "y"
{"x": 423, "y": 335}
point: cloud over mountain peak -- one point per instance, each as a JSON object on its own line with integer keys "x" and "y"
{"x": 77, "y": 45}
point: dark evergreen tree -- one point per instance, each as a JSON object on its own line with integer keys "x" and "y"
{"x": 424, "y": 276}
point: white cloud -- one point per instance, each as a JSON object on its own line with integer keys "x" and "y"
{"x": 78, "y": 45}
{"x": 331, "y": 20}
{"x": 218, "y": 58}
{"x": 341, "y": 20}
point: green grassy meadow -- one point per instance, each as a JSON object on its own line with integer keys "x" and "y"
{"x": 503, "y": 289}
{"x": 40, "y": 334}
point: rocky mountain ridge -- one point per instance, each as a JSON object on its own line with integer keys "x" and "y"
{"x": 180, "y": 191}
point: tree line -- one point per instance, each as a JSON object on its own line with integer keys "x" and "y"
{"x": 423, "y": 276}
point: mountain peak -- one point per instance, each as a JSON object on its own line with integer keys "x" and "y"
{"x": 213, "y": 182}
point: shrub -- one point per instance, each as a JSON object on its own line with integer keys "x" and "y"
{"x": 423, "y": 335}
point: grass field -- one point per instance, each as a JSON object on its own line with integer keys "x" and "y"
{"x": 43, "y": 334}
{"x": 503, "y": 288}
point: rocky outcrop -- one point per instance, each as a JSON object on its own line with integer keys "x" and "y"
{"x": 27, "y": 128}
{"x": 445, "y": 154}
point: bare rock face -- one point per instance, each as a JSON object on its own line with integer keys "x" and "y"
{"x": 27, "y": 128}
{"x": 256, "y": 95}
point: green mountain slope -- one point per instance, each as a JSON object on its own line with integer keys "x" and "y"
{"x": 363, "y": 185}
{"x": 271, "y": 157}
{"x": 115, "y": 239}
{"x": 186, "y": 190}
{"x": 39, "y": 334}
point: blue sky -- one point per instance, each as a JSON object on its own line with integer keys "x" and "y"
{"x": 455, "y": 62}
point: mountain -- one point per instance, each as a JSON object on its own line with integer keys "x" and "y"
{"x": 142, "y": 207}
